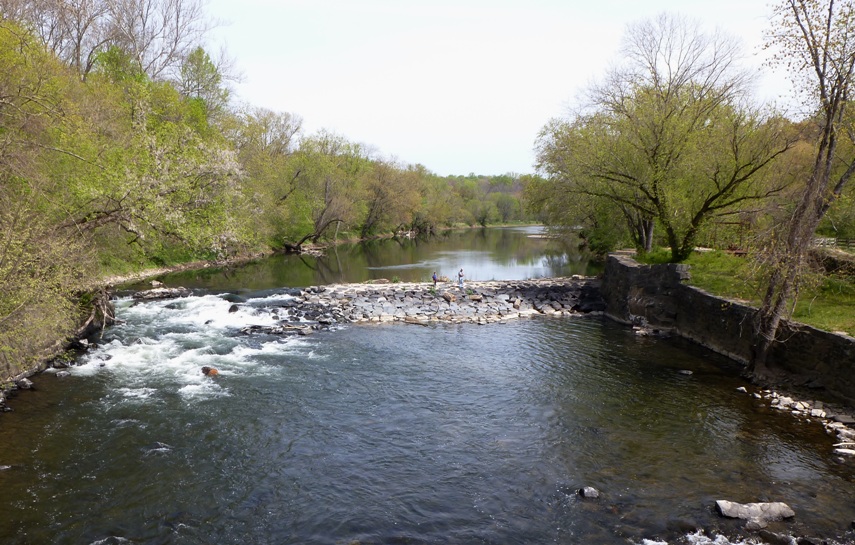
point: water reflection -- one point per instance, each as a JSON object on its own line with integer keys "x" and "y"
{"x": 510, "y": 253}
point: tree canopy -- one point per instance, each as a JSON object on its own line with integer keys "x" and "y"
{"x": 666, "y": 139}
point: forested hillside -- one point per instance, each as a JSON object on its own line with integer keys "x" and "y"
{"x": 121, "y": 148}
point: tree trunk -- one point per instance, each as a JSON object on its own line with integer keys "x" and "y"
{"x": 768, "y": 318}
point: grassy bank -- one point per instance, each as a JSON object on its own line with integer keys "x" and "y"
{"x": 824, "y": 301}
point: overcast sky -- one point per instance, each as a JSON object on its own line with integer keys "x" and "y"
{"x": 458, "y": 86}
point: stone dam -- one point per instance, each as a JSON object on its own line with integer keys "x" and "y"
{"x": 422, "y": 303}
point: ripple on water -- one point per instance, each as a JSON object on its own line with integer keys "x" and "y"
{"x": 448, "y": 433}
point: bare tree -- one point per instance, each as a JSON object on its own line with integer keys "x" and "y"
{"x": 158, "y": 34}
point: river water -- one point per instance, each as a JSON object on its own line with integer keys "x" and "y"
{"x": 400, "y": 434}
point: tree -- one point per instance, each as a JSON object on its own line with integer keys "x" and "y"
{"x": 202, "y": 80}
{"x": 815, "y": 41}
{"x": 266, "y": 143}
{"x": 667, "y": 136}
{"x": 391, "y": 195}
{"x": 157, "y": 34}
{"x": 74, "y": 30}
{"x": 328, "y": 185}
{"x": 40, "y": 265}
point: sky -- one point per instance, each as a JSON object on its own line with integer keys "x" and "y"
{"x": 458, "y": 86}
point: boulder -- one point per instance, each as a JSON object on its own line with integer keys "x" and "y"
{"x": 24, "y": 384}
{"x": 589, "y": 492}
{"x": 758, "y": 514}
{"x": 161, "y": 293}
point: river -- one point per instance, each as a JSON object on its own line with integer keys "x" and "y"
{"x": 400, "y": 434}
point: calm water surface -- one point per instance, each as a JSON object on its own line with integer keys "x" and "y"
{"x": 399, "y": 434}
{"x": 484, "y": 254}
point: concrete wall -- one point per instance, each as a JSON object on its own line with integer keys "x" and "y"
{"x": 657, "y": 297}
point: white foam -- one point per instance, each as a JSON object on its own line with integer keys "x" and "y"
{"x": 137, "y": 393}
{"x": 275, "y": 298}
{"x": 203, "y": 390}
{"x": 162, "y": 346}
{"x": 700, "y": 538}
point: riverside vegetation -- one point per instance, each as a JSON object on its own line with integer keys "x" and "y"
{"x": 669, "y": 149}
{"x": 121, "y": 148}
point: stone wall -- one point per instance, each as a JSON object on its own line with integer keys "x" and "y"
{"x": 656, "y": 297}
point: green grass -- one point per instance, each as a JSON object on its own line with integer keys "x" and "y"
{"x": 830, "y": 306}
{"x": 725, "y": 275}
{"x": 825, "y": 302}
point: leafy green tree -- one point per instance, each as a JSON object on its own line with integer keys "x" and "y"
{"x": 328, "y": 186}
{"x": 40, "y": 265}
{"x": 391, "y": 195}
{"x": 507, "y": 207}
{"x": 148, "y": 169}
{"x": 667, "y": 138}
{"x": 201, "y": 80}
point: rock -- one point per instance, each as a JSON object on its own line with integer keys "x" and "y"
{"x": 233, "y": 308}
{"x": 589, "y": 492}
{"x": 161, "y": 293}
{"x": 24, "y": 384}
{"x": 845, "y": 451}
{"x": 448, "y": 296}
{"x": 844, "y": 419}
{"x": 759, "y": 513}
{"x": 415, "y": 321}
{"x": 771, "y": 538}
{"x": 156, "y": 284}
{"x": 753, "y": 525}
{"x": 79, "y": 344}
{"x": 63, "y": 374}
{"x": 210, "y": 371}
{"x": 305, "y": 331}
{"x": 742, "y": 389}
